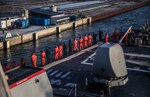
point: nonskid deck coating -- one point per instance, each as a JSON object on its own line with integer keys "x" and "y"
{"x": 137, "y": 86}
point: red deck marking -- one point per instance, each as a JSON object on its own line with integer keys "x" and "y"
{"x": 26, "y": 79}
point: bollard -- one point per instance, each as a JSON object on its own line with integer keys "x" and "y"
{"x": 89, "y": 20}
{"x": 58, "y": 30}
{"x": 22, "y": 39}
{"x": 70, "y": 46}
{"x": 6, "y": 45}
{"x": 100, "y": 35}
{"x": 74, "y": 25}
{"x": 35, "y": 37}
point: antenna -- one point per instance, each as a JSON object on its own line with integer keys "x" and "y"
{"x": 125, "y": 34}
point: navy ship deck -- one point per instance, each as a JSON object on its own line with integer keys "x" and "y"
{"x": 74, "y": 72}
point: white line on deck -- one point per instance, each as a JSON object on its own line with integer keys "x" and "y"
{"x": 139, "y": 70}
{"x": 145, "y": 46}
{"x": 49, "y": 71}
{"x": 53, "y": 73}
{"x": 85, "y": 61}
{"x": 141, "y": 63}
{"x": 55, "y": 81}
{"x": 137, "y": 55}
{"x": 69, "y": 85}
{"x": 59, "y": 74}
{"x": 65, "y": 75}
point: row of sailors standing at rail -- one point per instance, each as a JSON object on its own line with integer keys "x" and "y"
{"x": 60, "y": 50}
{"x": 14, "y": 65}
{"x": 74, "y": 46}
{"x": 128, "y": 38}
{"x": 82, "y": 43}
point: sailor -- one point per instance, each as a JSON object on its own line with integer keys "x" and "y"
{"x": 120, "y": 35}
{"x": 64, "y": 49}
{"x": 81, "y": 43}
{"x": 140, "y": 35}
{"x": 56, "y": 50}
{"x": 114, "y": 36}
{"x": 129, "y": 39}
{"x": 100, "y": 35}
{"x": 15, "y": 64}
{"x": 75, "y": 45}
{"x": 70, "y": 46}
{"x": 23, "y": 63}
{"x": 47, "y": 55}
{"x": 85, "y": 39}
{"x": 7, "y": 67}
{"x": 33, "y": 59}
{"x": 60, "y": 51}
{"x": 106, "y": 37}
{"x": 126, "y": 39}
{"x": 94, "y": 37}
{"x": 132, "y": 38}
{"x": 145, "y": 37}
{"x": 140, "y": 38}
{"x": 43, "y": 58}
{"x": 90, "y": 40}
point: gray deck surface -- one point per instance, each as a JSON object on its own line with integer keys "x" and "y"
{"x": 64, "y": 76}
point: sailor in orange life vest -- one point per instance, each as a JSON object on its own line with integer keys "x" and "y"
{"x": 75, "y": 45}
{"x": 33, "y": 59}
{"x": 60, "y": 51}
{"x": 23, "y": 63}
{"x": 43, "y": 58}
{"x": 15, "y": 64}
{"x": 56, "y": 53}
{"x": 106, "y": 37}
{"x": 85, "y": 39}
{"x": 7, "y": 67}
{"x": 120, "y": 35}
{"x": 115, "y": 36}
{"x": 81, "y": 43}
{"x": 90, "y": 40}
